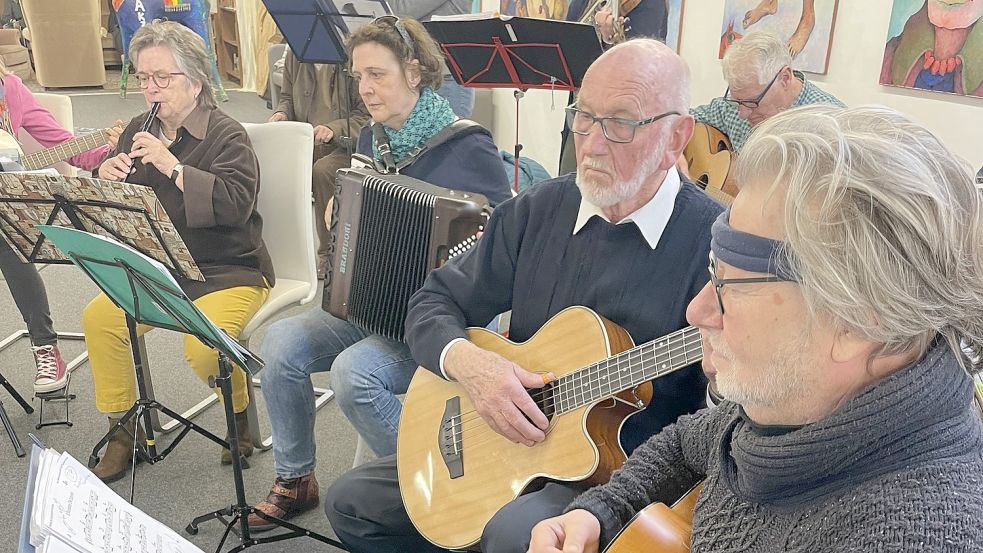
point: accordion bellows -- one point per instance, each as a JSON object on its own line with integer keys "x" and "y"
{"x": 389, "y": 232}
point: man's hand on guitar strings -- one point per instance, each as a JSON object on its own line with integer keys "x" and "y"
{"x": 578, "y": 531}
{"x": 498, "y": 390}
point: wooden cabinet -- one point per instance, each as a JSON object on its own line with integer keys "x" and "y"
{"x": 226, "y": 38}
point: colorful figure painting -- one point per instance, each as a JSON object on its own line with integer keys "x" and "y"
{"x": 653, "y": 18}
{"x": 935, "y": 45}
{"x": 805, "y": 25}
{"x": 133, "y": 14}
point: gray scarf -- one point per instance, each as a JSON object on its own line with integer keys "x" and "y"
{"x": 916, "y": 414}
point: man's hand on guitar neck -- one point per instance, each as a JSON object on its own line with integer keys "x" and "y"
{"x": 497, "y": 388}
{"x": 575, "y": 532}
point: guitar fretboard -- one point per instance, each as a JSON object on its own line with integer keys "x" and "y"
{"x": 627, "y": 369}
{"x": 65, "y": 150}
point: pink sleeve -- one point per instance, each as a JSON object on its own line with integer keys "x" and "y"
{"x": 26, "y": 113}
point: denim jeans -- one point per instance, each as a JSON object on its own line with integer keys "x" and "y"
{"x": 461, "y": 98}
{"x": 367, "y": 372}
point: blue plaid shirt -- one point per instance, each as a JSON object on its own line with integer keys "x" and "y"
{"x": 723, "y": 115}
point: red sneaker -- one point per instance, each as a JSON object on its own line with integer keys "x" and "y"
{"x": 52, "y": 372}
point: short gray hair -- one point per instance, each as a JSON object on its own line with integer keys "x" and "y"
{"x": 187, "y": 48}
{"x": 759, "y": 55}
{"x": 884, "y": 224}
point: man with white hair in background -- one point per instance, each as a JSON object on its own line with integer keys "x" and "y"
{"x": 760, "y": 84}
{"x": 846, "y": 283}
{"x": 627, "y": 239}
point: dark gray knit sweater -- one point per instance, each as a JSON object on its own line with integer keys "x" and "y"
{"x": 899, "y": 468}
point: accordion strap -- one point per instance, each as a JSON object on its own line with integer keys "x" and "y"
{"x": 459, "y": 128}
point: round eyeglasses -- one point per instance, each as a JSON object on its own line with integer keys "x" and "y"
{"x": 162, "y": 80}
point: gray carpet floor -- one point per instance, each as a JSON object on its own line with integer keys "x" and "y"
{"x": 190, "y": 481}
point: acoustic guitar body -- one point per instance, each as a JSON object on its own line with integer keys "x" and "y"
{"x": 451, "y": 490}
{"x": 710, "y": 157}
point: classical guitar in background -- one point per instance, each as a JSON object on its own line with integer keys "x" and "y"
{"x": 710, "y": 157}
{"x": 455, "y": 472}
{"x": 49, "y": 156}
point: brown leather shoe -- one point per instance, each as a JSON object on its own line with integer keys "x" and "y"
{"x": 287, "y": 499}
{"x": 116, "y": 459}
{"x": 245, "y": 440}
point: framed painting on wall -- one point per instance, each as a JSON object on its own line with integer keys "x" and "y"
{"x": 935, "y": 45}
{"x": 661, "y": 19}
{"x": 805, "y": 25}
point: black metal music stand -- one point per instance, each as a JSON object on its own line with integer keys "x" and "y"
{"x": 5, "y": 419}
{"x": 517, "y": 52}
{"x": 147, "y": 294}
{"x": 315, "y": 30}
{"x": 27, "y": 200}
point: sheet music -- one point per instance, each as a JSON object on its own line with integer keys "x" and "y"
{"x": 75, "y": 511}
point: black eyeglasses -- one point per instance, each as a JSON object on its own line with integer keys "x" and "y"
{"x": 400, "y": 28}
{"x": 752, "y": 104}
{"x": 719, "y": 283}
{"x": 615, "y": 129}
{"x": 162, "y": 80}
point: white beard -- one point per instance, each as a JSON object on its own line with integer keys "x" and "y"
{"x": 771, "y": 385}
{"x": 602, "y": 195}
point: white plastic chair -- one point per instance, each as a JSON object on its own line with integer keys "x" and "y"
{"x": 285, "y": 150}
{"x": 60, "y": 107}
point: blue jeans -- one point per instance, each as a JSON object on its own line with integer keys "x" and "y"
{"x": 367, "y": 372}
{"x": 461, "y": 98}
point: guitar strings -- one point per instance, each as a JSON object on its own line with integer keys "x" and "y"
{"x": 637, "y": 359}
{"x": 664, "y": 347}
{"x": 480, "y": 430}
{"x": 660, "y": 347}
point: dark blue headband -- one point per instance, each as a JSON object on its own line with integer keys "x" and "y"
{"x": 748, "y": 251}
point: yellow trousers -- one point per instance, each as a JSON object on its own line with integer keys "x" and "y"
{"x": 111, "y": 358}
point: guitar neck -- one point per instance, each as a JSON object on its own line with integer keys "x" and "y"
{"x": 65, "y": 150}
{"x": 627, "y": 370}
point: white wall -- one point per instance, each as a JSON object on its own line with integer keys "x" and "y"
{"x": 858, "y": 46}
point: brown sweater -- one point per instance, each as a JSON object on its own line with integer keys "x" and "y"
{"x": 216, "y": 214}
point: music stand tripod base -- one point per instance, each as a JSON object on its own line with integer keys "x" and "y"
{"x": 61, "y": 394}
{"x": 5, "y": 419}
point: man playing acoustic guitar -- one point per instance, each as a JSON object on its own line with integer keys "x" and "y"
{"x": 628, "y": 239}
{"x": 843, "y": 318}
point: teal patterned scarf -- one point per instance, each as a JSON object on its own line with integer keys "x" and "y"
{"x": 430, "y": 114}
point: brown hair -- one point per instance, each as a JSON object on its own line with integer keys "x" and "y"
{"x": 406, "y": 38}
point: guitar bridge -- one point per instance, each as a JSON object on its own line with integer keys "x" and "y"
{"x": 450, "y": 438}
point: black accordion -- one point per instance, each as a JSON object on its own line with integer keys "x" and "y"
{"x": 389, "y": 232}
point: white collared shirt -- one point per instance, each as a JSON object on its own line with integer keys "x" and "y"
{"x": 651, "y": 218}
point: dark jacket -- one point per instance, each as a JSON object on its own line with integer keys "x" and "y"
{"x": 469, "y": 163}
{"x": 311, "y": 94}
{"x": 216, "y": 213}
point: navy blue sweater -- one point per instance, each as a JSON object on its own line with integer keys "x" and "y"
{"x": 529, "y": 261}
{"x": 469, "y": 163}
